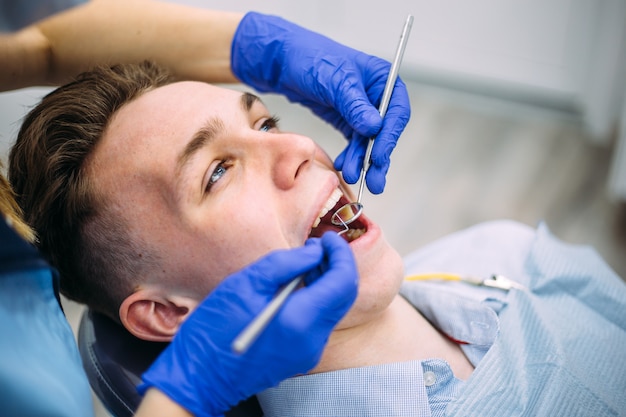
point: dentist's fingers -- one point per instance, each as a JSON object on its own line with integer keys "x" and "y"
{"x": 326, "y": 300}
{"x": 350, "y": 160}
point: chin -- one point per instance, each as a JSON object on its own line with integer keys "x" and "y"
{"x": 381, "y": 272}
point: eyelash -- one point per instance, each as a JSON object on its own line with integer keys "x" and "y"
{"x": 269, "y": 124}
{"x": 220, "y": 169}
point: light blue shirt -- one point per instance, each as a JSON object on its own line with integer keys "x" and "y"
{"x": 557, "y": 348}
{"x": 41, "y": 372}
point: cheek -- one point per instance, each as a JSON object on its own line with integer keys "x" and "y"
{"x": 201, "y": 263}
{"x": 227, "y": 234}
{"x": 228, "y": 245}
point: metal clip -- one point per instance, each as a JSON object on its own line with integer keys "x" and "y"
{"x": 502, "y": 282}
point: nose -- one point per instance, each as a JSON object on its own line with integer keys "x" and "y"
{"x": 289, "y": 155}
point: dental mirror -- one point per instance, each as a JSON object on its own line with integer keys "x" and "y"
{"x": 348, "y": 213}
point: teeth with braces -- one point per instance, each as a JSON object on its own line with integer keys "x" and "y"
{"x": 330, "y": 203}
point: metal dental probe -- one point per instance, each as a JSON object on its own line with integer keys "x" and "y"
{"x": 256, "y": 326}
{"x": 250, "y": 333}
{"x": 355, "y": 209}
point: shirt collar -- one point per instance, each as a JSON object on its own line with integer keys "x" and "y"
{"x": 382, "y": 390}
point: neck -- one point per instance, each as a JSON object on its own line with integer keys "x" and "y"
{"x": 383, "y": 339}
{"x": 399, "y": 334}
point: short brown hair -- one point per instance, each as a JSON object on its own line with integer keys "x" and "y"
{"x": 91, "y": 248}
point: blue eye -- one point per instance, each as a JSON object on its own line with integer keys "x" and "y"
{"x": 216, "y": 175}
{"x": 269, "y": 124}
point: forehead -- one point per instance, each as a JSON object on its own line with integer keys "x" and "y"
{"x": 165, "y": 118}
{"x": 177, "y": 104}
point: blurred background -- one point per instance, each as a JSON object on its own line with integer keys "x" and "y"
{"x": 517, "y": 112}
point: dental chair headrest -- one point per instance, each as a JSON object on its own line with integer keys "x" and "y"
{"x": 114, "y": 361}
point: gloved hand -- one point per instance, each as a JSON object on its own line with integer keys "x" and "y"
{"x": 199, "y": 370}
{"x": 339, "y": 84}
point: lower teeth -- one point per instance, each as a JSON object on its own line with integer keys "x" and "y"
{"x": 353, "y": 234}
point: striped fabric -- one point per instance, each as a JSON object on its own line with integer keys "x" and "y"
{"x": 555, "y": 349}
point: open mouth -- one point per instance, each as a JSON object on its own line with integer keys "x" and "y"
{"x": 323, "y": 224}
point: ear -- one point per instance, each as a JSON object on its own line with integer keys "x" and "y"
{"x": 150, "y": 315}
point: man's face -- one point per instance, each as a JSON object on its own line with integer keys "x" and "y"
{"x": 203, "y": 175}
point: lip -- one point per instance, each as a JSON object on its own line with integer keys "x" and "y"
{"x": 366, "y": 239}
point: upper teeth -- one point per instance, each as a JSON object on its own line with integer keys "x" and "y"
{"x": 330, "y": 203}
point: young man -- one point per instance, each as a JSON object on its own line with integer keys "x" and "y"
{"x": 149, "y": 192}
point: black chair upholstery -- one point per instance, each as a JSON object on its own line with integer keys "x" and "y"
{"x": 114, "y": 361}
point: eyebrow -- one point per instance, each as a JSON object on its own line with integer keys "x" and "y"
{"x": 209, "y": 130}
{"x": 248, "y": 100}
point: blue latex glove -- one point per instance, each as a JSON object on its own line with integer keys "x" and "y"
{"x": 200, "y": 371}
{"x": 339, "y": 84}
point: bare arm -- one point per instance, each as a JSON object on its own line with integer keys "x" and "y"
{"x": 155, "y": 403}
{"x": 194, "y": 43}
